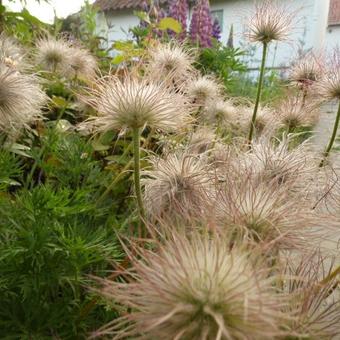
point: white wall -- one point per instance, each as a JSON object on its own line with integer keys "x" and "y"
{"x": 115, "y": 25}
{"x": 307, "y": 33}
{"x": 332, "y": 37}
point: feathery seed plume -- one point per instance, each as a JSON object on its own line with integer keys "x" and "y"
{"x": 270, "y": 22}
{"x": 203, "y": 89}
{"x": 21, "y": 99}
{"x": 133, "y": 103}
{"x": 195, "y": 288}
{"x": 53, "y": 55}
{"x": 82, "y": 63}
{"x": 176, "y": 186}
{"x": 171, "y": 62}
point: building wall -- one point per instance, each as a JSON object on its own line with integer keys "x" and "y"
{"x": 309, "y": 32}
{"x": 332, "y": 37}
{"x": 115, "y": 25}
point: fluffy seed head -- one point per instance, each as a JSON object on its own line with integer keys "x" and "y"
{"x": 171, "y": 62}
{"x": 314, "y": 299}
{"x": 329, "y": 86}
{"x": 220, "y": 112}
{"x": 260, "y": 213}
{"x": 10, "y": 53}
{"x": 195, "y": 289}
{"x": 270, "y": 22}
{"x": 203, "y": 89}
{"x": 202, "y": 140}
{"x": 53, "y": 55}
{"x": 306, "y": 71}
{"x": 265, "y": 123}
{"x": 82, "y": 63}
{"x": 135, "y": 103}
{"x": 294, "y": 112}
{"x": 21, "y": 99}
{"x": 176, "y": 186}
{"x": 280, "y": 163}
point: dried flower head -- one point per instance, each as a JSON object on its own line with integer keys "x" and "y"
{"x": 220, "y": 112}
{"x": 53, "y": 55}
{"x": 265, "y": 123}
{"x": 195, "y": 289}
{"x": 293, "y": 112}
{"x": 201, "y": 140}
{"x": 21, "y": 99}
{"x": 306, "y": 71}
{"x": 270, "y": 21}
{"x": 82, "y": 63}
{"x": 329, "y": 86}
{"x": 314, "y": 296}
{"x": 280, "y": 163}
{"x": 134, "y": 103}
{"x": 260, "y": 212}
{"x": 171, "y": 62}
{"x": 176, "y": 186}
{"x": 11, "y": 54}
{"x": 203, "y": 89}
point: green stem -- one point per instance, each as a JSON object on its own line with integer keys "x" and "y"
{"x": 136, "y": 173}
{"x": 258, "y": 96}
{"x": 331, "y": 142}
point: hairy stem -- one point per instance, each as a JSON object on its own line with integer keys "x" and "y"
{"x": 136, "y": 173}
{"x": 331, "y": 142}
{"x": 258, "y": 95}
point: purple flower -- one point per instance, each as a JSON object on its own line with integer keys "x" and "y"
{"x": 201, "y": 27}
{"x": 178, "y": 10}
{"x": 216, "y": 30}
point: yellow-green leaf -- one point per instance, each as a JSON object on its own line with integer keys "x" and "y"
{"x": 170, "y": 24}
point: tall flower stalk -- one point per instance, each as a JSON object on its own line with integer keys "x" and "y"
{"x": 136, "y": 173}
{"x": 131, "y": 105}
{"x": 269, "y": 23}
{"x": 332, "y": 140}
{"x": 329, "y": 89}
{"x": 259, "y": 89}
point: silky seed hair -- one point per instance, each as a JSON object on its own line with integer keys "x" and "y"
{"x": 21, "y": 100}
{"x": 306, "y": 71}
{"x": 53, "y": 55}
{"x": 203, "y": 89}
{"x": 171, "y": 62}
{"x": 270, "y": 22}
{"x": 328, "y": 87}
{"x": 219, "y": 112}
{"x": 82, "y": 63}
{"x": 134, "y": 103}
{"x": 194, "y": 288}
{"x": 262, "y": 213}
{"x": 314, "y": 296}
{"x": 294, "y": 112}
{"x": 11, "y": 54}
{"x": 177, "y": 185}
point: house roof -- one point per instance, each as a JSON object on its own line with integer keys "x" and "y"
{"x": 107, "y": 5}
{"x": 334, "y": 13}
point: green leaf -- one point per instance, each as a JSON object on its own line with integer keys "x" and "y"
{"x": 171, "y": 24}
{"x": 123, "y": 45}
{"x": 59, "y": 101}
{"x": 118, "y": 59}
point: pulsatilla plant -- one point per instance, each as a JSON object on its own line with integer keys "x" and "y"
{"x": 133, "y": 104}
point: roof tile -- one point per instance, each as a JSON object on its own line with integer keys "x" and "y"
{"x": 334, "y": 13}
